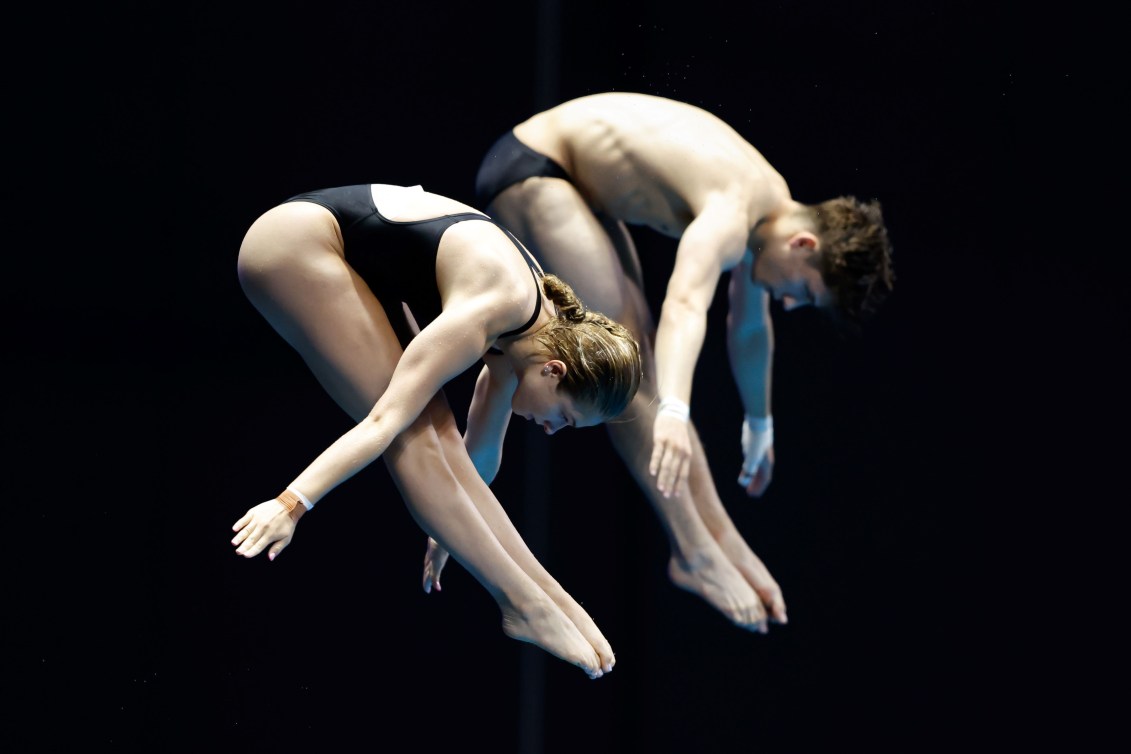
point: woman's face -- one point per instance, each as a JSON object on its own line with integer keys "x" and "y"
{"x": 538, "y": 399}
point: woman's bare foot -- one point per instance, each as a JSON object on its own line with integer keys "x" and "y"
{"x": 546, "y": 625}
{"x": 436, "y": 557}
{"x": 710, "y": 575}
{"x": 584, "y": 624}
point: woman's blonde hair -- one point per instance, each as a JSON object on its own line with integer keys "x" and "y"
{"x": 602, "y": 358}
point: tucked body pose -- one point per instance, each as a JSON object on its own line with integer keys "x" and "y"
{"x": 569, "y": 181}
{"x": 329, "y": 270}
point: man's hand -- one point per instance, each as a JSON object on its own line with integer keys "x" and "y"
{"x": 671, "y": 447}
{"x": 758, "y": 449}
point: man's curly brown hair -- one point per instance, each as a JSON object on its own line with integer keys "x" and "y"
{"x": 855, "y": 259}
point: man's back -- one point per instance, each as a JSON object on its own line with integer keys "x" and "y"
{"x": 653, "y": 161}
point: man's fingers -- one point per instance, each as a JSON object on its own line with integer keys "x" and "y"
{"x": 654, "y": 461}
{"x": 667, "y": 472}
{"x": 684, "y": 473}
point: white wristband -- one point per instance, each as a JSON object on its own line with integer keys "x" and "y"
{"x": 309, "y": 505}
{"x": 757, "y": 439}
{"x": 674, "y": 407}
{"x": 760, "y": 423}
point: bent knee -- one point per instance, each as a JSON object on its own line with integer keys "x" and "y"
{"x": 539, "y": 203}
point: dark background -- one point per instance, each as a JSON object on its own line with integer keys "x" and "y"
{"x": 159, "y": 406}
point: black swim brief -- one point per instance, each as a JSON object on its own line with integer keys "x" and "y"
{"x": 508, "y": 162}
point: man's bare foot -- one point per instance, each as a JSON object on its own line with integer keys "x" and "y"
{"x": 711, "y": 576}
{"x": 545, "y": 625}
{"x": 756, "y": 574}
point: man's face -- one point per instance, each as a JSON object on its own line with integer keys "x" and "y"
{"x": 789, "y": 275}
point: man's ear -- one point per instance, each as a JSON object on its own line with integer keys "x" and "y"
{"x": 805, "y": 241}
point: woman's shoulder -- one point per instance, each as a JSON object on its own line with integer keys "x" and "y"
{"x": 484, "y": 247}
{"x": 479, "y": 259}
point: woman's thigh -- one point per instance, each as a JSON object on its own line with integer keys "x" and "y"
{"x": 292, "y": 269}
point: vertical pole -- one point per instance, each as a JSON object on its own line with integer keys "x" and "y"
{"x": 536, "y": 519}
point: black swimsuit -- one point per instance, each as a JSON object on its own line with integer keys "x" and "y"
{"x": 508, "y": 162}
{"x": 397, "y": 259}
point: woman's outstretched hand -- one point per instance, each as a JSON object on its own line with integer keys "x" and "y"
{"x": 435, "y": 557}
{"x": 268, "y": 524}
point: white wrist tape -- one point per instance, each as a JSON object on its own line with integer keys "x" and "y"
{"x": 760, "y": 423}
{"x": 674, "y": 407}
{"x": 757, "y": 438}
{"x": 309, "y": 505}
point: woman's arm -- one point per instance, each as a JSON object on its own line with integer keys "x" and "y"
{"x": 448, "y": 346}
{"x": 487, "y": 422}
{"x": 444, "y": 349}
{"x": 488, "y": 418}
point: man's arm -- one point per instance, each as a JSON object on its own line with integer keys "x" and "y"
{"x": 750, "y": 338}
{"x": 713, "y": 243}
{"x": 750, "y": 344}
